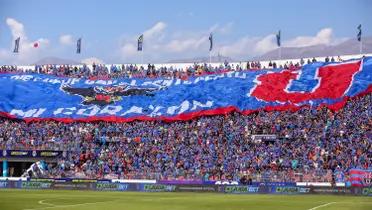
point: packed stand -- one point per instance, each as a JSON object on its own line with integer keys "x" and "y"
{"x": 100, "y": 71}
{"x": 310, "y": 145}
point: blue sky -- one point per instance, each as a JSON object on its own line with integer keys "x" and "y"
{"x": 173, "y": 29}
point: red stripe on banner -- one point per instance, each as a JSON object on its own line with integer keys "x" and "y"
{"x": 357, "y": 172}
{"x": 331, "y": 76}
{"x": 358, "y": 179}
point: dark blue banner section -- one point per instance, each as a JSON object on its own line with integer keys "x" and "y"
{"x": 43, "y": 97}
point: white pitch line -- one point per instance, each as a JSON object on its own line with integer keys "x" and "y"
{"x": 63, "y": 206}
{"x": 42, "y": 202}
{"x": 323, "y": 205}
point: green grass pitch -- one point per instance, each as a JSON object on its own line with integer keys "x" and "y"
{"x": 11, "y": 199}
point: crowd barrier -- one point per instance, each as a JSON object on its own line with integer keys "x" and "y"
{"x": 107, "y": 185}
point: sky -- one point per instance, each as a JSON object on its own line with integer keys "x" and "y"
{"x": 173, "y": 29}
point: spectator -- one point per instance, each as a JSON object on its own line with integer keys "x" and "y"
{"x": 302, "y": 62}
{"x": 310, "y": 142}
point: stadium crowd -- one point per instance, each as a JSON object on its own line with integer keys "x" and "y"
{"x": 310, "y": 144}
{"x": 101, "y": 71}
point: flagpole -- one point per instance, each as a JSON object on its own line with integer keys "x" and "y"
{"x": 142, "y": 55}
{"x": 278, "y": 37}
{"x": 210, "y": 48}
{"x": 210, "y": 58}
{"x": 360, "y": 47}
{"x": 140, "y": 48}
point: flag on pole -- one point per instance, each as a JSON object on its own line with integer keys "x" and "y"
{"x": 16, "y": 45}
{"x": 210, "y": 42}
{"x": 140, "y": 43}
{"x": 78, "y": 46}
{"x": 278, "y": 38}
{"x": 359, "y": 35}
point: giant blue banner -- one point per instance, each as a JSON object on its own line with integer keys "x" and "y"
{"x": 39, "y": 97}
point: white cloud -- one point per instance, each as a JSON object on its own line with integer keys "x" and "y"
{"x": 42, "y": 41}
{"x": 224, "y": 29}
{"x": 16, "y": 28}
{"x": 239, "y": 48}
{"x": 27, "y": 52}
{"x": 248, "y": 46}
{"x": 129, "y": 49}
{"x": 177, "y": 44}
{"x": 324, "y": 36}
{"x": 161, "y": 45}
{"x": 66, "y": 39}
{"x": 253, "y": 46}
{"x": 155, "y": 31}
{"x": 213, "y": 28}
{"x": 151, "y": 37}
{"x": 265, "y": 44}
{"x": 180, "y": 45}
{"x": 4, "y": 54}
{"x": 91, "y": 60}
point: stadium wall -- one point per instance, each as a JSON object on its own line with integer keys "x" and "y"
{"x": 107, "y": 185}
